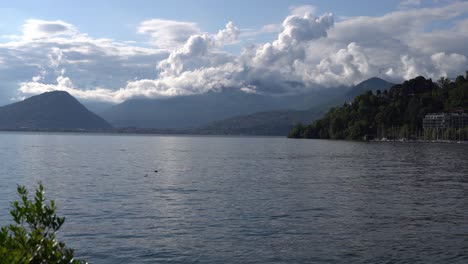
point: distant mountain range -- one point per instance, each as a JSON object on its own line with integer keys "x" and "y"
{"x": 52, "y": 110}
{"x": 221, "y": 111}
{"x": 192, "y": 111}
{"x": 280, "y": 122}
{"x": 272, "y": 123}
{"x": 224, "y": 112}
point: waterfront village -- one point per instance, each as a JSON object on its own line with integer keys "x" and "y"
{"x": 438, "y": 127}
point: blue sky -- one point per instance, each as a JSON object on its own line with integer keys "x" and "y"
{"x": 115, "y": 50}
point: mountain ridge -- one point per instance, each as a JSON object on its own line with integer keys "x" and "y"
{"x": 50, "y": 110}
{"x": 280, "y": 122}
{"x": 192, "y": 111}
{"x": 196, "y": 110}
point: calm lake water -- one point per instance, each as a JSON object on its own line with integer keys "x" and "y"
{"x": 246, "y": 200}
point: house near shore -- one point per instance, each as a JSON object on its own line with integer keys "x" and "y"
{"x": 445, "y": 121}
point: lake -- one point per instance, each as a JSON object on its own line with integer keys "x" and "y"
{"x": 246, "y": 199}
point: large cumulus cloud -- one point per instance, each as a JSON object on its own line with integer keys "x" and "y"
{"x": 308, "y": 51}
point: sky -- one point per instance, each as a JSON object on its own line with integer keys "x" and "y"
{"x": 112, "y": 51}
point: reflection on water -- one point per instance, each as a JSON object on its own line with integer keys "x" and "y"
{"x": 246, "y": 200}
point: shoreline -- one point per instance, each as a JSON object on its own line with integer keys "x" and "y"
{"x": 421, "y": 141}
{"x": 170, "y": 132}
{"x": 155, "y": 132}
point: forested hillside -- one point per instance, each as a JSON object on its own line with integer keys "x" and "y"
{"x": 397, "y": 112}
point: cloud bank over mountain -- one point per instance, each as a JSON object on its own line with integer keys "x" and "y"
{"x": 181, "y": 59}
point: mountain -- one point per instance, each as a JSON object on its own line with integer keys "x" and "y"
{"x": 228, "y": 107}
{"x": 51, "y": 110}
{"x": 202, "y": 109}
{"x": 280, "y": 122}
{"x": 272, "y": 123}
{"x": 373, "y": 84}
{"x": 96, "y": 107}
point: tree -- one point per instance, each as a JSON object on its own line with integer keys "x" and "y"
{"x": 399, "y": 112}
{"x": 32, "y": 237}
{"x": 404, "y": 131}
{"x": 460, "y": 80}
{"x": 443, "y": 82}
{"x": 296, "y": 131}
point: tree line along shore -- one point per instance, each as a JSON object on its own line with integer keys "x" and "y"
{"x": 417, "y": 109}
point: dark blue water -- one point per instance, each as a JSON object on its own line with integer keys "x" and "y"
{"x": 246, "y": 200}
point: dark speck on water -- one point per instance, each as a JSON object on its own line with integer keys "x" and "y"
{"x": 246, "y": 200}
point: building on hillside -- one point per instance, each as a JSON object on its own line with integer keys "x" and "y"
{"x": 445, "y": 120}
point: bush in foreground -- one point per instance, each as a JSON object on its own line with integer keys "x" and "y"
{"x": 32, "y": 237}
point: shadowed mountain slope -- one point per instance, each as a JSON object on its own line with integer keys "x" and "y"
{"x": 51, "y": 110}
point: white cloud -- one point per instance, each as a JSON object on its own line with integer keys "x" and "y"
{"x": 449, "y": 64}
{"x": 168, "y": 34}
{"x": 302, "y": 10}
{"x": 198, "y": 66}
{"x": 289, "y": 46}
{"x": 344, "y": 66}
{"x": 251, "y": 33}
{"x": 271, "y": 28}
{"x": 297, "y": 29}
{"x": 272, "y": 67}
{"x": 42, "y": 54}
{"x": 65, "y": 84}
{"x": 228, "y": 35}
{"x": 37, "y": 29}
{"x": 409, "y": 3}
{"x": 395, "y": 47}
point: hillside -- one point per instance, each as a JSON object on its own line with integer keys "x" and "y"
{"x": 279, "y": 122}
{"x": 397, "y": 112}
{"x": 373, "y": 84}
{"x": 183, "y": 112}
{"x": 272, "y": 123}
{"x": 51, "y": 110}
{"x": 191, "y": 111}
